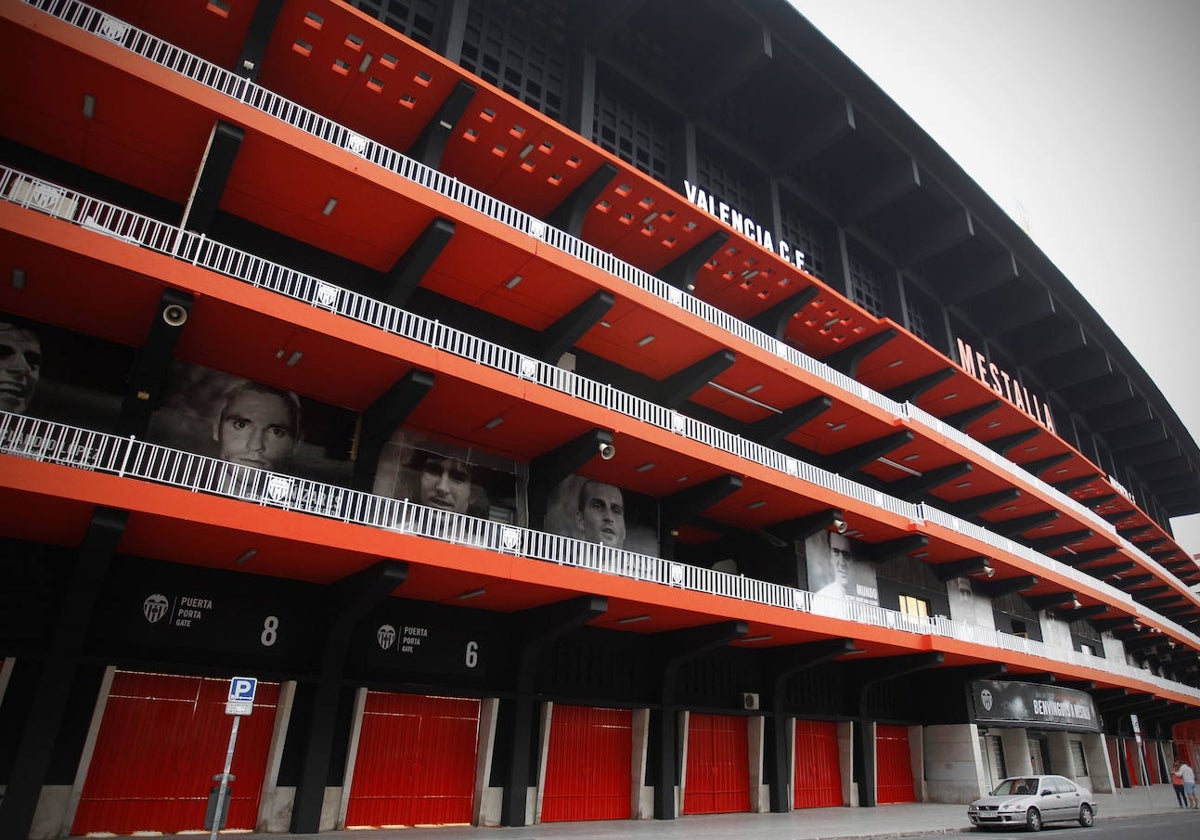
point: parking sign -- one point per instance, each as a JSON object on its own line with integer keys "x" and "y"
{"x": 242, "y": 689}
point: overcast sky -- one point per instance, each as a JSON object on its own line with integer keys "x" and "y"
{"x": 1081, "y": 118}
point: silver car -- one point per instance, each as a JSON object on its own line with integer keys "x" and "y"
{"x": 1032, "y": 801}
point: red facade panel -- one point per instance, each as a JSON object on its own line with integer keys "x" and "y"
{"x": 1133, "y": 767}
{"x": 415, "y": 762}
{"x": 1150, "y": 751}
{"x": 718, "y": 765}
{"x": 589, "y": 773}
{"x": 817, "y": 767}
{"x": 893, "y": 770}
{"x": 161, "y": 740}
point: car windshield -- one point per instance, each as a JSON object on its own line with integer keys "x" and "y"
{"x": 1016, "y": 787}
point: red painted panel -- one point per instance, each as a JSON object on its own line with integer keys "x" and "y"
{"x": 893, "y": 772}
{"x": 1150, "y": 750}
{"x": 589, "y": 773}
{"x": 416, "y": 761}
{"x": 818, "y": 771}
{"x": 718, "y": 765}
{"x": 161, "y": 740}
{"x": 1133, "y": 767}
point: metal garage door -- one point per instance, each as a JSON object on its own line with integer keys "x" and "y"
{"x": 589, "y": 773}
{"x": 818, "y": 770}
{"x": 161, "y": 740}
{"x": 893, "y": 768}
{"x": 718, "y": 765}
{"x": 416, "y": 761}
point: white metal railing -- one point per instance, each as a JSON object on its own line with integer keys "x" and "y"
{"x": 1016, "y": 470}
{"x": 197, "y": 249}
{"x": 57, "y": 443}
{"x": 239, "y": 88}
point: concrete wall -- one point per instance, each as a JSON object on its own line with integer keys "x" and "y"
{"x": 1060, "y": 754}
{"x": 845, "y": 737}
{"x": 1016, "y": 750}
{"x": 1100, "y": 769}
{"x": 954, "y": 771}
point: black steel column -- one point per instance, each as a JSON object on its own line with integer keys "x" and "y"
{"x": 348, "y": 601}
{"x": 787, "y": 662}
{"x": 32, "y": 760}
{"x": 537, "y": 627}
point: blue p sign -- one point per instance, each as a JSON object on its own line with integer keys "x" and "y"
{"x": 241, "y": 689}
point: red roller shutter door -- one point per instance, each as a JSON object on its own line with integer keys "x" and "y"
{"x": 161, "y": 740}
{"x": 718, "y": 765}
{"x": 893, "y": 769}
{"x": 1150, "y": 751}
{"x": 416, "y": 761}
{"x": 589, "y": 762}
{"x": 818, "y": 771}
{"x": 1132, "y": 766}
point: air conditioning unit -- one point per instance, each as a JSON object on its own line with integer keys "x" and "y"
{"x": 749, "y": 701}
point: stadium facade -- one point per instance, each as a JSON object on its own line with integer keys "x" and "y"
{"x": 563, "y": 411}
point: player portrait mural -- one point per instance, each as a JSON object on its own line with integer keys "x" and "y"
{"x": 254, "y": 425}
{"x": 967, "y": 606}
{"x": 57, "y": 374}
{"x": 447, "y": 477}
{"x": 598, "y": 512}
{"x": 835, "y": 574}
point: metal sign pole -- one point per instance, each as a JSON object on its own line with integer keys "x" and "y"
{"x": 218, "y": 816}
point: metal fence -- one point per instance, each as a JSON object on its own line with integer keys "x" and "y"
{"x": 197, "y": 249}
{"x": 57, "y": 443}
{"x": 239, "y": 88}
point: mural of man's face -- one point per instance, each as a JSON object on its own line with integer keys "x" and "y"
{"x": 446, "y": 484}
{"x": 20, "y": 367}
{"x": 839, "y": 554}
{"x": 601, "y": 515}
{"x": 255, "y": 430}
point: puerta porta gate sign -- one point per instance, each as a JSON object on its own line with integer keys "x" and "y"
{"x": 1030, "y": 704}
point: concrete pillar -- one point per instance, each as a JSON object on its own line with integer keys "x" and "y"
{"x": 954, "y": 769}
{"x": 642, "y": 794}
{"x": 1060, "y": 754}
{"x": 760, "y": 795}
{"x": 845, "y": 738}
{"x": 1015, "y": 742}
{"x": 1100, "y": 769}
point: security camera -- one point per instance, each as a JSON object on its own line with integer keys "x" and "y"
{"x": 607, "y": 451}
{"x": 988, "y": 570}
{"x": 840, "y": 525}
{"x": 175, "y": 315}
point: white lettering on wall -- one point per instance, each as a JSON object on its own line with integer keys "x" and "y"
{"x": 1004, "y": 385}
{"x": 744, "y": 224}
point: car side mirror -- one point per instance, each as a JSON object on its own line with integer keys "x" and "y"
{"x": 1046, "y": 793}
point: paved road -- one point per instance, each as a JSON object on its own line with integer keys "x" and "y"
{"x": 1137, "y": 814}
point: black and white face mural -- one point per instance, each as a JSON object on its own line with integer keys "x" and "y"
{"x": 447, "y": 477}
{"x": 835, "y": 575}
{"x": 56, "y": 374}
{"x": 251, "y": 424}
{"x": 967, "y": 606}
{"x": 598, "y": 512}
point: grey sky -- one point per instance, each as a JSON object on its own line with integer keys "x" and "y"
{"x": 1082, "y": 119}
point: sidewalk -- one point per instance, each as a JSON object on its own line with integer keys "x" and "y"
{"x": 809, "y": 824}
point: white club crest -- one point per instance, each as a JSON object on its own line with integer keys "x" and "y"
{"x": 278, "y": 488}
{"x": 155, "y": 608}
{"x": 385, "y": 635}
{"x": 112, "y": 29}
{"x": 986, "y": 697}
{"x": 326, "y": 294}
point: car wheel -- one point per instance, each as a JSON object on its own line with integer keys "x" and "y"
{"x": 1086, "y": 817}
{"x": 1033, "y": 820}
